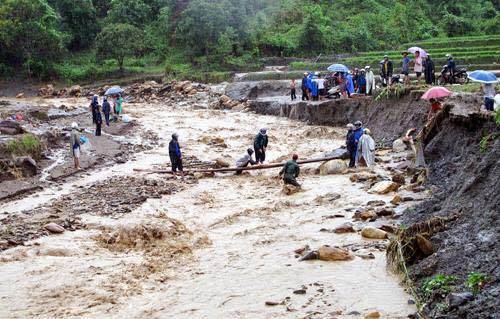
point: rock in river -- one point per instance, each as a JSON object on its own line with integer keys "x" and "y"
{"x": 344, "y": 228}
{"x": 374, "y": 233}
{"x": 333, "y": 167}
{"x": 54, "y": 228}
{"x": 384, "y": 187}
{"x": 328, "y": 253}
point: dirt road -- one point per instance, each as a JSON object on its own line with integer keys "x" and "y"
{"x": 211, "y": 248}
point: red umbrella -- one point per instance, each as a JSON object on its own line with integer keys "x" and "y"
{"x": 436, "y": 93}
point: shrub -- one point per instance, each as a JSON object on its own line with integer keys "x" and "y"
{"x": 27, "y": 145}
{"x": 439, "y": 284}
{"x": 476, "y": 281}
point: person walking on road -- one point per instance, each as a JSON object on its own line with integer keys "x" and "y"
{"x": 291, "y": 171}
{"x": 351, "y": 145}
{"x": 366, "y": 148}
{"x": 260, "y": 145}
{"x": 74, "y": 144}
{"x": 175, "y": 154}
{"x": 106, "y": 109}
{"x": 245, "y": 161}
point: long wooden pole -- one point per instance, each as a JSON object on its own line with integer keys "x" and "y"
{"x": 248, "y": 168}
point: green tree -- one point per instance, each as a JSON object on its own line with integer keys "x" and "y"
{"x": 117, "y": 41}
{"x": 79, "y": 21}
{"x": 133, "y": 12}
{"x": 29, "y": 35}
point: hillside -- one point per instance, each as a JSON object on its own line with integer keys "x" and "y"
{"x": 71, "y": 40}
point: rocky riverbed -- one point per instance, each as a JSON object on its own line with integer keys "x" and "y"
{"x": 116, "y": 241}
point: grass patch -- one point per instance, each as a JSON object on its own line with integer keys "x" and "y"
{"x": 439, "y": 284}
{"x": 27, "y": 145}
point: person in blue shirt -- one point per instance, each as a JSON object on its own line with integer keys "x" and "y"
{"x": 405, "y": 62}
{"x": 175, "y": 154}
{"x": 314, "y": 90}
{"x": 358, "y": 132}
{"x": 309, "y": 84}
{"x": 349, "y": 84}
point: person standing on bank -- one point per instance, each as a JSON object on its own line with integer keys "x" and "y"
{"x": 98, "y": 121}
{"x": 174, "y": 152}
{"x": 93, "y": 108}
{"x": 370, "y": 80}
{"x": 405, "y": 63}
{"x": 291, "y": 171}
{"x": 386, "y": 70}
{"x": 303, "y": 87}
{"x": 293, "y": 92}
{"x": 260, "y": 145}
{"x": 74, "y": 144}
{"x": 106, "y": 109}
{"x": 429, "y": 71}
{"x": 351, "y": 145}
{"x": 418, "y": 66}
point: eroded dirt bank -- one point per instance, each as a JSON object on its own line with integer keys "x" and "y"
{"x": 212, "y": 247}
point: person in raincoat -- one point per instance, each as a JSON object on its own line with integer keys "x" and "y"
{"x": 118, "y": 107}
{"x": 351, "y": 145}
{"x": 370, "y": 80}
{"x": 303, "y": 87}
{"x": 366, "y": 148}
{"x": 429, "y": 71}
{"x": 106, "y": 109}
{"x": 361, "y": 82}
{"x": 358, "y": 132}
{"x": 74, "y": 144}
{"x": 291, "y": 171}
{"x": 309, "y": 85}
{"x": 245, "y": 160}
{"x": 175, "y": 154}
{"x": 349, "y": 84}
{"x": 314, "y": 88}
{"x": 260, "y": 145}
{"x": 94, "y": 105}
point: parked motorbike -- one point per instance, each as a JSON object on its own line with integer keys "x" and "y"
{"x": 460, "y": 77}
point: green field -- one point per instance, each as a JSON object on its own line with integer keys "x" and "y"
{"x": 474, "y": 53}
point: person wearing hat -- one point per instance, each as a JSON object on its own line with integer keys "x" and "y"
{"x": 175, "y": 154}
{"x": 358, "y": 132}
{"x": 386, "y": 71}
{"x": 370, "y": 80}
{"x": 74, "y": 144}
{"x": 351, "y": 145}
{"x": 366, "y": 148}
{"x": 291, "y": 171}
{"x": 405, "y": 64}
{"x": 245, "y": 160}
{"x": 303, "y": 87}
{"x": 260, "y": 145}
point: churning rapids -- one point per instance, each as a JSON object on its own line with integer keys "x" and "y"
{"x": 217, "y": 247}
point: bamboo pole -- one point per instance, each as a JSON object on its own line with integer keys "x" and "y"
{"x": 234, "y": 169}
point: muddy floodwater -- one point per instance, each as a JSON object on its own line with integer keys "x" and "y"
{"x": 217, "y": 247}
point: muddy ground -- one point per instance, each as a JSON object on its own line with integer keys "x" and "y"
{"x": 146, "y": 245}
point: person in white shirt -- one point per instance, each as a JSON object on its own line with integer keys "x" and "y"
{"x": 320, "y": 82}
{"x": 418, "y": 66}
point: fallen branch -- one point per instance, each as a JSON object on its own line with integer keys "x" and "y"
{"x": 234, "y": 169}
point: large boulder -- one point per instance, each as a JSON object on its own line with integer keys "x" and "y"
{"x": 328, "y": 253}
{"x": 75, "y": 90}
{"x": 340, "y": 153}
{"x": 363, "y": 177}
{"x": 373, "y": 233}
{"x": 27, "y": 165}
{"x": 290, "y": 189}
{"x": 347, "y": 227}
{"x": 333, "y": 167}
{"x": 54, "y": 228}
{"x": 384, "y": 187}
{"x": 10, "y": 127}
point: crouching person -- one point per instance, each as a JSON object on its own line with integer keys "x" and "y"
{"x": 291, "y": 171}
{"x": 245, "y": 160}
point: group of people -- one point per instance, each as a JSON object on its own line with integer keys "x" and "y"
{"x": 98, "y": 110}
{"x": 313, "y": 87}
{"x": 360, "y": 145}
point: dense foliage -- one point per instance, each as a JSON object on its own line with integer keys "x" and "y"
{"x": 38, "y": 36}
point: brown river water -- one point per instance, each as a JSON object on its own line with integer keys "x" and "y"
{"x": 238, "y": 235}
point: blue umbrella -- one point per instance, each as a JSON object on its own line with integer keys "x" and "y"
{"x": 483, "y": 76}
{"x": 114, "y": 90}
{"x": 338, "y": 68}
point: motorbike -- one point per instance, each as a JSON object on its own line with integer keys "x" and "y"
{"x": 460, "y": 77}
